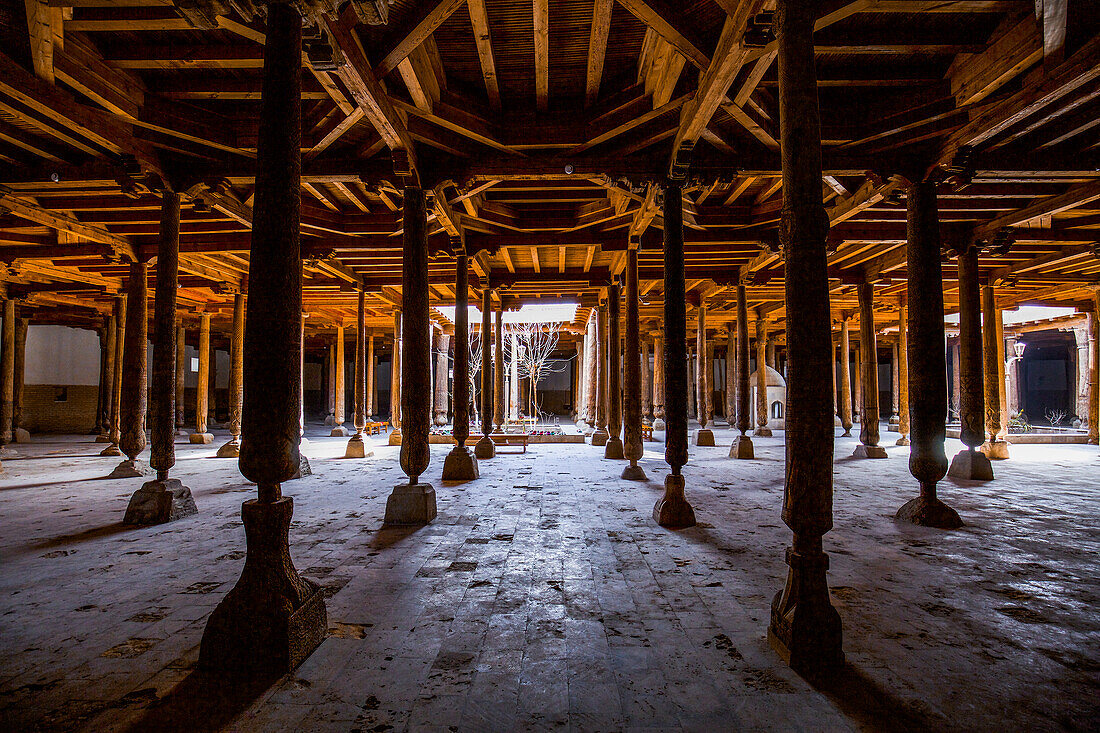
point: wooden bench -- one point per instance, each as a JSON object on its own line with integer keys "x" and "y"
{"x": 647, "y": 432}
{"x": 523, "y": 424}
{"x": 375, "y": 428}
{"x": 511, "y": 440}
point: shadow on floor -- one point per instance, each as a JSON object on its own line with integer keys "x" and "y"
{"x": 202, "y": 702}
{"x": 84, "y": 536}
{"x": 874, "y": 707}
{"x": 387, "y": 537}
{"x": 54, "y": 484}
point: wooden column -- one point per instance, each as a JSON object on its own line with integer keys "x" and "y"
{"x": 368, "y": 392}
{"x": 181, "y": 374}
{"x": 731, "y": 374}
{"x": 395, "y": 381}
{"x": 591, "y": 358}
{"x": 115, "y": 357}
{"x": 19, "y": 380}
{"x": 164, "y": 499}
{"x": 762, "y": 415}
{"x": 857, "y": 385}
{"x": 1094, "y": 371}
{"x": 969, "y": 463}
{"x": 460, "y": 464}
{"x": 742, "y": 444}
{"x": 135, "y": 397}
{"x": 340, "y": 381}
{"x": 232, "y": 449}
{"x": 995, "y": 447}
{"x": 927, "y": 359}
{"x": 632, "y": 375}
{"x": 485, "y": 448}
{"x": 601, "y": 435}
{"x": 869, "y": 428}
{"x": 202, "y": 389}
{"x": 103, "y": 391}
{"x": 646, "y": 381}
{"x": 498, "y": 368}
{"x": 658, "y": 381}
{"x": 673, "y": 509}
{"x": 704, "y": 367}
{"x": 845, "y": 378}
{"x": 578, "y": 383}
{"x": 805, "y": 628}
{"x": 614, "y": 447}
{"x": 414, "y": 503}
{"x": 272, "y": 619}
{"x": 7, "y": 375}
{"x": 894, "y": 397}
{"x": 356, "y": 447}
{"x": 442, "y": 366}
{"x": 903, "y": 372}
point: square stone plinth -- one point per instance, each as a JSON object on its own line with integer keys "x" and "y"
{"x": 201, "y": 438}
{"x": 869, "y": 451}
{"x": 157, "y": 502}
{"x": 411, "y": 504}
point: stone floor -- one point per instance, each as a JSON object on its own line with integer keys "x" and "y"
{"x": 544, "y": 597}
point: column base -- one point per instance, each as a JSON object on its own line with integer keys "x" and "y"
{"x": 22, "y": 435}
{"x": 742, "y": 448}
{"x": 232, "y": 449}
{"x": 600, "y": 437}
{"x": 131, "y": 469}
{"x": 395, "y": 436}
{"x": 485, "y": 448}
{"x": 995, "y": 451}
{"x": 6, "y": 453}
{"x": 805, "y": 629}
{"x": 304, "y": 469}
{"x": 704, "y": 437}
{"x": 460, "y": 465}
{"x": 658, "y": 424}
{"x": 272, "y": 619}
{"x": 410, "y": 504}
{"x": 893, "y": 423}
{"x": 673, "y": 510}
{"x": 357, "y": 448}
{"x": 200, "y": 438}
{"x": 330, "y": 419}
{"x": 111, "y": 450}
{"x": 869, "y": 451}
{"x": 903, "y": 440}
{"x": 971, "y": 465}
{"x": 157, "y": 502}
{"x": 339, "y": 432}
{"x": 929, "y": 513}
{"x": 762, "y": 432}
{"x": 634, "y": 472}
{"x": 847, "y": 432}
{"x": 613, "y": 448}
{"x": 102, "y": 439}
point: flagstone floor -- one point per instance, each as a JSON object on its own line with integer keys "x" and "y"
{"x": 545, "y": 598}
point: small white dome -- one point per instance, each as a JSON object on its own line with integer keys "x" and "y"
{"x": 775, "y": 379}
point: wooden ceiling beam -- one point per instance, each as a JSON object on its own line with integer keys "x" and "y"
{"x": 432, "y": 15}
{"x": 479, "y": 19}
{"x": 541, "y": 10}
{"x": 667, "y": 22}
{"x": 597, "y": 49}
{"x": 31, "y": 210}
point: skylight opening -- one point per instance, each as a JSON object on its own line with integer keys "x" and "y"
{"x": 556, "y": 312}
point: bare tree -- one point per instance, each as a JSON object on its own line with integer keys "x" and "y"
{"x": 474, "y": 368}
{"x": 535, "y": 343}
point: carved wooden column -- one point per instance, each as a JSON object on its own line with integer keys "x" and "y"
{"x": 614, "y": 446}
{"x": 601, "y": 435}
{"x": 181, "y": 375}
{"x": 357, "y": 447}
{"x": 658, "y": 380}
{"x": 498, "y": 368}
{"x": 805, "y": 628}
{"x": 163, "y": 499}
{"x": 414, "y": 502}
{"x": 272, "y": 619}
{"x": 632, "y": 375}
{"x": 869, "y": 428}
{"x": 995, "y": 447}
{"x": 673, "y": 509}
{"x": 339, "y": 430}
{"x": 970, "y": 463}
{"x": 892, "y": 420}
{"x": 590, "y": 369}
{"x": 927, "y": 359}
{"x": 7, "y": 378}
{"x": 115, "y": 357}
{"x": 903, "y": 372}
{"x": 742, "y": 444}
{"x": 578, "y": 383}
{"x": 134, "y": 399}
{"x": 395, "y": 381}
{"x": 762, "y": 429}
{"x": 103, "y": 392}
{"x": 1094, "y": 371}
{"x": 19, "y": 434}
{"x": 202, "y": 390}
{"x": 460, "y": 464}
{"x": 731, "y": 375}
{"x": 232, "y": 449}
{"x": 845, "y": 378}
{"x": 368, "y": 391}
{"x": 704, "y": 367}
{"x": 485, "y": 447}
{"x": 646, "y": 379}
{"x": 857, "y": 385}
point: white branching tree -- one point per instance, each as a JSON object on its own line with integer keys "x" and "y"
{"x": 475, "y": 378}
{"x": 536, "y": 342}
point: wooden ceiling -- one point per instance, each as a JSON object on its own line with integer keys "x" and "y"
{"x": 543, "y": 131}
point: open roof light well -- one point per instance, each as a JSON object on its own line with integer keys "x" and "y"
{"x": 557, "y": 312}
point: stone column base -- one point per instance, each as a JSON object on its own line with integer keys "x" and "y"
{"x": 22, "y": 435}
{"x": 742, "y": 448}
{"x": 131, "y": 469}
{"x": 232, "y": 449}
{"x": 634, "y": 472}
{"x": 330, "y": 419}
{"x": 272, "y": 619}
{"x": 929, "y": 513}
{"x": 339, "y": 432}
{"x": 762, "y": 431}
{"x": 6, "y": 453}
{"x": 357, "y": 448}
{"x": 613, "y": 448}
{"x": 104, "y": 438}
{"x": 658, "y": 424}
{"x": 869, "y": 451}
{"x": 111, "y": 450}
{"x": 201, "y": 438}
{"x": 304, "y": 469}
{"x": 996, "y": 451}
{"x": 893, "y": 423}
{"x": 485, "y": 448}
{"x": 395, "y": 437}
{"x": 971, "y": 465}
{"x": 157, "y": 502}
{"x": 673, "y": 510}
{"x": 600, "y": 437}
{"x": 903, "y": 440}
{"x": 704, "y": 437}
{"x": 805, "y": 629}
{"x": 410, "y": 504}
{"x": 460, "y": 465}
